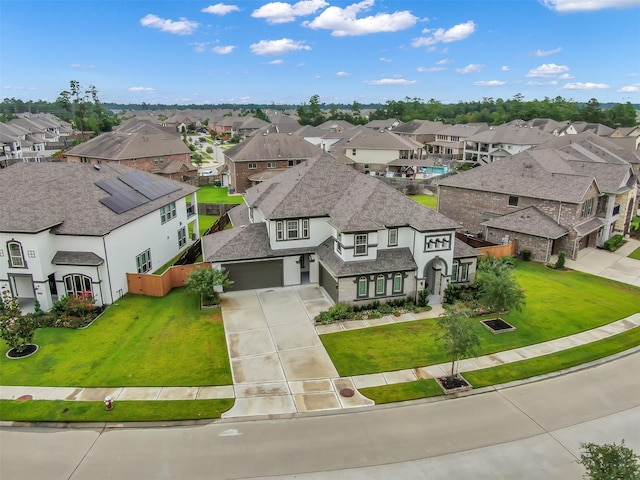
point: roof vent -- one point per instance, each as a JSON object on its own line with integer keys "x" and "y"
{"x": 97, "y": 167}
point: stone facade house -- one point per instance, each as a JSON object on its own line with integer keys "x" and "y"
{"x": 323, "y": 222}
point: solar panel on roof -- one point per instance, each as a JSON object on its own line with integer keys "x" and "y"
{"x": 122, "y": 197}
{"x": 151, "y": 187}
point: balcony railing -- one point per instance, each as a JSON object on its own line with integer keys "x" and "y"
{"x": 191, "y": 210}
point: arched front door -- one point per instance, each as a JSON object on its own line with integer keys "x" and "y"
{"x": 434, "y": 272}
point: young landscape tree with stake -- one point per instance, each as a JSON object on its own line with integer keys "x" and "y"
{"x": 205, "y": 281}
{"x": 457, "y": 336}
{"x": 500, "y": 291}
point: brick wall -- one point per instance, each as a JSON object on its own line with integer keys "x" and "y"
{"x": 240, "y": 172}
{"x": 146, "y": 164}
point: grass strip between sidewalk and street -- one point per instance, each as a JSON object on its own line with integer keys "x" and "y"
{"x": 511, "y": 371}
{"x": 123, "y": 411}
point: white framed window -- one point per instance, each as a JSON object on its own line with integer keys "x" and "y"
{"x": 182, "y": 237}
{"x": 454, "y": 271}
{"x": 168, "y": 212}
{"x": 16, "y": 255}
{"x": 292, "y": 229}
{"x": 363, "y": 287}
{"x": 463, "y": 274}
{"x": 305, "y": 228}
{"x": 77, "y": 284}
{"x": 437, "y": 242}
{"x": 252, "y": 166}
{"x": 339, "y": 243}
{"x": 279, "y": 230}
{"x": 393, "y": 237}
{"x": 271, "y": 165}
{"x": 353, "y": 152}
{"x": 158, "y": 160}
{"x": 587, "y": 208}
{"x": 398, "y": 283}
{"x": 143, "y": 261}
{"x": 381, "y": 285}
{"x": 361, "y": 244}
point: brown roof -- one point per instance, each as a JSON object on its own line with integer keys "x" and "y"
{"x": 272, "y": 146}
{"x": 529, "y": 221}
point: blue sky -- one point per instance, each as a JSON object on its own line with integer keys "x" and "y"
{"x": 247, "y": 51}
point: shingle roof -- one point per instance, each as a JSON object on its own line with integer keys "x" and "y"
{"x": 324, "y": 187}
{"x": 543, "y": 173}
{"x": 513, "y": 134}
{"x": 383, "y": 140}
{"x": 387, "y": 260}
{"x": 138, "y": 140}
{"x": 417, "y": 127}
{"x": 529, "y": 221}
{"x": 37, "y": 196}
{"x": 463, "y": 250}
{"x": 87, "y": 259}
{"x": 272, "y": 146}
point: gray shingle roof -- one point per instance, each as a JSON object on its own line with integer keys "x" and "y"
{"x": 463, "y": 250}
{"x": 383, "y": 140}
{"x": 529, "y": 221}
{"x": 543, "y": 173}
{"x": 589, "y": 226}
{"x": 87, "y": 259}
{"x": 324, "y": 187}
{"x": 37, "y": 196}
{"x": 388, "y": 260}
{"x": 513, "y": 134}
{"x": 272, "y": 146}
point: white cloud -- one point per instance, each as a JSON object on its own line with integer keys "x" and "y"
{"x": 220, "y": 9}
{"x": 179, "y": 27}
{"x": 471, "y": 68}
{"x": 277, "y": 47}
{"x": 342, "y": 74}
{"x": 534, "y": 83}
{"x": 9, "y": 87}
{"x": 546, "y": 53}
{"x": 280, "y": 12}
{"x": 276, "y": 62}
{"x": 444, "y": 61}
{"x": 504, "y": 68}
{"x": 386, "y": 60}
{"x": 344, "y": 22}
{"x": 223, "y": 49}
{"x": 390, "y": 81}
{"x": 490, "y": 83}
{"x": 630, "y": 88}
{"x": 587, "y": 5}
{"x": 548, "y": 70}
{"x": 440, "y": 35}
{"x": 142, "y": 89}
{"x": 585, "y": 86}
{"x": 84, "y": 67}
{"x": 200, "y": 46}
{"x": 565, "y": 76}
{"x": 430, "y": 69}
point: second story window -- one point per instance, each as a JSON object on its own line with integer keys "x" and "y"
{"x": 252, "y": 166}
{"x": 16, "y": 255}
{"x": 168, "y": 212}
{"x": 361, "y": 244}
{"x": 513, "y": 201}
{"x": 292, "y": 229}
{"x": 271, "y": 165}
{"x": 587, "y": 208}
{"x": 393, "y": 237}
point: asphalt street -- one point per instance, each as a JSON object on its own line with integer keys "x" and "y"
{"x": 530, "y": 431}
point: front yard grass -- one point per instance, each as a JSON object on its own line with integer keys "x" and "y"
{"x": 635, "y": 254}
{"x": 559, "y": 303}
{"x": 213, "y": 194}
{"x": 138, "y": 341}
{"x": 123, "y": 411}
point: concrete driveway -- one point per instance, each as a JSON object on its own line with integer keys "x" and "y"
{"x": 277, "y": 360}
{"x": 613, "y": 265}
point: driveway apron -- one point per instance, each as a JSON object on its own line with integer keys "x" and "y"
{"x": 278, "y": 363}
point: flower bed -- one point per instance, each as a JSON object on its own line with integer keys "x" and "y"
{"x": 341, "y": 312}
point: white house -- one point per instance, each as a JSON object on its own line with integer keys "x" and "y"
{"x": 67, "y": 228}
{"x": 323, "y": 222}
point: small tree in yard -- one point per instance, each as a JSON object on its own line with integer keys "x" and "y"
{"x": 609, "y": 462}
{"x": 457, "y": 336}
{"x": 15, "y": 329}
{"x": 204, "y": 281}
{"x": 500, "y": 292}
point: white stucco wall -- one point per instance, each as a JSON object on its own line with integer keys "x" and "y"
{"x": 319, "y": 231}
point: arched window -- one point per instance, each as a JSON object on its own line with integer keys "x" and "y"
{"x": 381, "y": 285}
{"x": 16, "y": 256}
{"x": 363, "y": 287}
{"x": 76, "y": 284}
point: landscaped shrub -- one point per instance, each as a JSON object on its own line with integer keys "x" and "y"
{"x": 423, "y": 297}
{"x": 526, "y": 255}
{"x": 614, "y": 243}
{"x": 561, "y": 261}
{"x": 340, "y": 311}
{"x": 450, "y": 294}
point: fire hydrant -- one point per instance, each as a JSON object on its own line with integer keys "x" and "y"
{"x": 108, "y": 403}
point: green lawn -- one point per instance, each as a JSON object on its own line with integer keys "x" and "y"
{"x": 138, "y": 341}
{"x": 558, "y": 304}
{"x": 430, "y": 201}
{"x": 211, "y": 194}
{"x": 635, "y": 254}
{"x": 123, "y": 411}
{"x": 206, "y": 221}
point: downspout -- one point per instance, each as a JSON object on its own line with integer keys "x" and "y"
{"x": 106, "y": 259}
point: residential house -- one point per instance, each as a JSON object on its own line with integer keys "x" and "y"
{"x": 422, "y": 131}
{"x": 372, "y": 151}
{"x": 72, "y": 227}
{"x": 386, "y": 124}
{"x": 360, "y": 239}
{"x": 135, "y": 144}
{"x": 260, "y": 157}
{"x": 449, "y": 142}
{"x": 502, "y": 141}
{"x": 548, "y": 199}
{"x": 584, "y": 127}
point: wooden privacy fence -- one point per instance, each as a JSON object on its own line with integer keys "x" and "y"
{"x": 499, "y": 251}
{"x": 160, "y": 285}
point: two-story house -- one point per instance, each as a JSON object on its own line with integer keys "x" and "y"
{"x": 371, "y": 152}
{"x": 323, "y": 222}
{"x": 548, "y": 199}
{"x": 449, "y": 141}
{"x": 67, "y": 228}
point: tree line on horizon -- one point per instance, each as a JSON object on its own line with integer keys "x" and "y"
{"x": 101, "y": 116}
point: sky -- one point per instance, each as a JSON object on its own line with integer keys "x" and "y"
{"x": 369, "y": 51}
